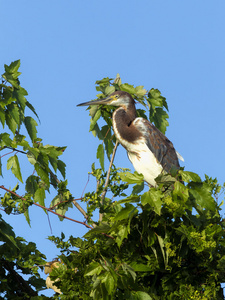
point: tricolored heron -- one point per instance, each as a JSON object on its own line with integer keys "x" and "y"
{"x": 149, "y": 150}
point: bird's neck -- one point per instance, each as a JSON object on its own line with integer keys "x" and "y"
{"x": 124, "y": 130}
{"x": 125, "y": 115}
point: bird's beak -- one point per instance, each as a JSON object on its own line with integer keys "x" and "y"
{"x": 105, "y": 101}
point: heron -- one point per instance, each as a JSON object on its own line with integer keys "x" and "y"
{"x": 148, "y": 149}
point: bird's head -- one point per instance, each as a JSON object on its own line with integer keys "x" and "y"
{"x": 118, "y": 98}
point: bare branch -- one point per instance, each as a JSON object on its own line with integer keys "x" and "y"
{"x": 48, "y": 209}
{"x": 56, "y": 179}
{"x": 107, "y": 177}
{"x": 53, "y": 212}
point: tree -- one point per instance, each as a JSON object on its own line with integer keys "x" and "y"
{"x": 164, "y": 242}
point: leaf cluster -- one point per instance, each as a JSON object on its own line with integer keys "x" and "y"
{"x": 164, "y": 242}
{"x": 42, "y": 160}
{"x": 167, "y": 243}
{"x": 18, "y": 258}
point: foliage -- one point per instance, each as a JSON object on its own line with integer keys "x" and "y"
{"x": 164, "y": 242}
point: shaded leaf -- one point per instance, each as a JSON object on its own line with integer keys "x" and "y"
{"x": 61, "y": 167}
{"x": 32, "y": 184}
{"x": 201, "y": 192}
{"x": 100, "y": 155}
{"x": 31, "y": 124}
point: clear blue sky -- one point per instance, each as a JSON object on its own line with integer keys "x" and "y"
{"x": 65, "y": 46}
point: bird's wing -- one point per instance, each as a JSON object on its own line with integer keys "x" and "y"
{"x": 159, "y": 144}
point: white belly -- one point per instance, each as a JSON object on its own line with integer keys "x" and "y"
{"x": 144, "y": 162}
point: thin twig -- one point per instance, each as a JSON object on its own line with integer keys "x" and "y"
{"x": 14, "y": 149}
{"x": 56, "y": 179}
{"x": 74, "y": 201}
{"x": 107, "y": 177}
{"x": 48, "y": 209}
{"x": 53, "y": 212}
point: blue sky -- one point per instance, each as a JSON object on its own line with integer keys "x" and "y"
{"x": 65, "y": 46}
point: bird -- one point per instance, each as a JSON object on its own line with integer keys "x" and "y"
{"x": 148, "y": 149}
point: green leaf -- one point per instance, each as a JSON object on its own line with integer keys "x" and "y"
{"x": 131, "y": 178}
{"x": 95, "y": 119}
{"x": 109, "y": 282}
{"x": 180, "y": 191}
{"x": 139, "y": 267}
{"x": 153, "y": 198}
{"x": 11, "y": 73}
{"x": 30, "y": 106}
{"x": 19, "y": 95}
{"x": 121, "y": 234}
{"x": 5, "y": 140}
{"x": 31, "y": 124}
{"x": 127, "y": 88}
{"x": 61, "y": 167}
{"x": 13, "y": 164}
{"x": 103, "y": 227}
{"x": 26, "y": 214}
{"x": 159, "y": 118}
{"x": 138, "y": 188}
{"x": 104, "y": 81}
{"x": 14, "y": 112}
{"x": 163, "y": 250}
{"x": 201, "y": 192}
{"x": 0, "y": 166}
{"x": 155, "y": 99}
{"x": 13, "y": 67}
{"x": 39, "y": 196}
{"x": 33, "y": 155}
{"x": 11, "y": 123}
{"x": 6, "y": 233}
{"x": 2, "y": 116}
{"x": 32, "y": 184}
{"x": 93, "y": 268}
{"x": 140, "y": 91}
{"x": 132, "y": 198}
{"x": 109, "y": 90}
{"x": 125, "y": 212}
{"x": 42, "y": 173}
{"x": 143, "y": 296}
{"x": 100, "y": 155}
{"x": 188, "y": 176}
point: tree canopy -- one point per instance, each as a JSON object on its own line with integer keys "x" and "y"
{"x": 164, "y": 242}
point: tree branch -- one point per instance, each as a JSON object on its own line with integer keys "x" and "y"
{"x": 53, "y": 212}
{"x": 23, "y": 284}
{"x": 56, "y": 179}
{"x": 48, "y": 209}
{"x": 107, "y": 177}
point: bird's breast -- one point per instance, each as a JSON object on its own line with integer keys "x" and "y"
{"x": 145, "y": 162}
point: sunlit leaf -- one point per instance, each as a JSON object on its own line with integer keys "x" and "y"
{"x": 13, "y": 164}
{"x": 125, "y": 212}
{"x": 93, "y": 268}
{"x": 131, "y": 178}
{"x": 188, "y": 176}
{"x": 153, "y": 198}
{"x": 39, "y": 196}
